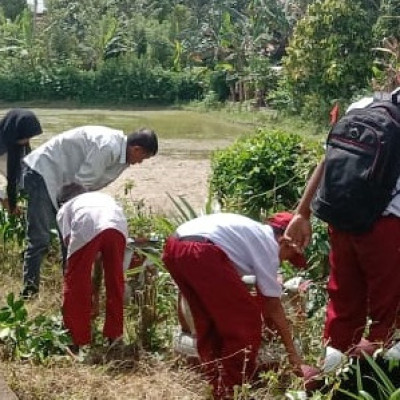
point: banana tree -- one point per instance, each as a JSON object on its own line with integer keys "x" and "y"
{"x": 18, "y": 43}
{"x": 88, "y": 31}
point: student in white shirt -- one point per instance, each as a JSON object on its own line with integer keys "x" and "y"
{"x": 91, "y": 223}
{"x": 17, "y": 127}
{"x": 206, "y": 258}
{"x": 92, "y": 156}
{"x": 364, "y": 275}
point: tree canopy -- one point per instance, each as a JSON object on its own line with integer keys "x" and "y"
{"x": 324, "y": 45}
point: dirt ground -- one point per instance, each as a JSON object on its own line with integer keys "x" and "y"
{"x": 181, "y": 168}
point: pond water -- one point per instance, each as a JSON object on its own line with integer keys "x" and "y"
{"x": 169, "y": 124}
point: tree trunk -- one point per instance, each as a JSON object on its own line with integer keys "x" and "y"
{"x": 35, "y": 8}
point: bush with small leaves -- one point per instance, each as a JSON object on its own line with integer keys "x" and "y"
{"x": 263, "y": 172}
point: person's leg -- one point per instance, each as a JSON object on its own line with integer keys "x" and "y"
{"x": 237, "y": 318}
{"x": 380, "y": 258}
{"x": 208, "y": 341}
{"x": 347, "y": 306}
{"x": 207, "y": 338}
{"x": 227, "y": 318}
{"x": 41, "y": 216}
{"x": 77, "y": 302}
{"x": 175, "y": 259}
{"x": 112, "y": 248}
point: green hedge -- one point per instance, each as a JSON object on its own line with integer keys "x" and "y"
{"x": 114, "y": 82}
{"x": 264, "y": 172}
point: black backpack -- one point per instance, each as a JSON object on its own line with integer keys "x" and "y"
{"x": 362, "y": 165}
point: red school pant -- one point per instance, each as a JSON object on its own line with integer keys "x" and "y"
{"x": 78, "y": 287}
{"x": 227, "y": 318}
{"x": 364, "y": 282}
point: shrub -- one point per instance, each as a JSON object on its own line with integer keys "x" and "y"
{"x": 125, "y": 80}
{"x": 263, "y": 172}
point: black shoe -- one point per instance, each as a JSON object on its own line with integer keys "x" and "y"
{"x": 29, "y": 292}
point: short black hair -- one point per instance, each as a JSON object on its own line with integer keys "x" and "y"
{"x": 145, "y": 138}
{"x": 69, "y": 191}
{"x": 278, "y": 232}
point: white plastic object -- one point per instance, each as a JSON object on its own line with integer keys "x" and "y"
{"x": 393, "y": 353}
{"x": 333, "y": 359}
{"x": 185, "y": 344}
{"x": 128, "y": 253}
{"x": 296, "y": 395}
{"x": 293, "y": 284}
{"x": 187, "y": 314}
{"x": 249, "y": 279}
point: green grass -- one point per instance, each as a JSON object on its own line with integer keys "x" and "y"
{"x": 267, "y": 118}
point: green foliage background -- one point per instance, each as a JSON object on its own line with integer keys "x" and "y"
{"x": 329, "y": 55}
{"x": 169, "y": 51}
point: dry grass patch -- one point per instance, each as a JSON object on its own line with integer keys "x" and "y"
{"x": 149, "y": 379}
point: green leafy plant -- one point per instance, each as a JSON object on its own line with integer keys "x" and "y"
{"x": 263, "y": 172}
{"x": 154, "y": 297}
{"x": 372, "y": 379}
{"x": 25, "y": 338}
{"x": 184, "y": 209}
{"x": 12, "y": 227}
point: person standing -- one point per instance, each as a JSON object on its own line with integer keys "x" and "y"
{"x": 17, "y": 127}
{"x": 206, "y": 258}
{"x": 92, "y": 156}
{"x": 91, "y": 224}
{"x": 364, "y": 277}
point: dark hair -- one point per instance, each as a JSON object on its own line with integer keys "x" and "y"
{"x": 145, "y": 138}
{"x": 278, "y": 232}
{"x": 68, "y": 192}
{"x": 17, "y": 124}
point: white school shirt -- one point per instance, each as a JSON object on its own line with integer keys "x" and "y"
{"x": 85, "y": 216}
{"x": 250, "y": 245}
{"x": 93, "y": 156}
{"x": 394, "y": 205}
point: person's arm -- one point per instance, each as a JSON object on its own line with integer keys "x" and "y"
{"x": 299, "y": 228}
{"x": 14, "y": 156}
{"x": 273, "y": 311}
